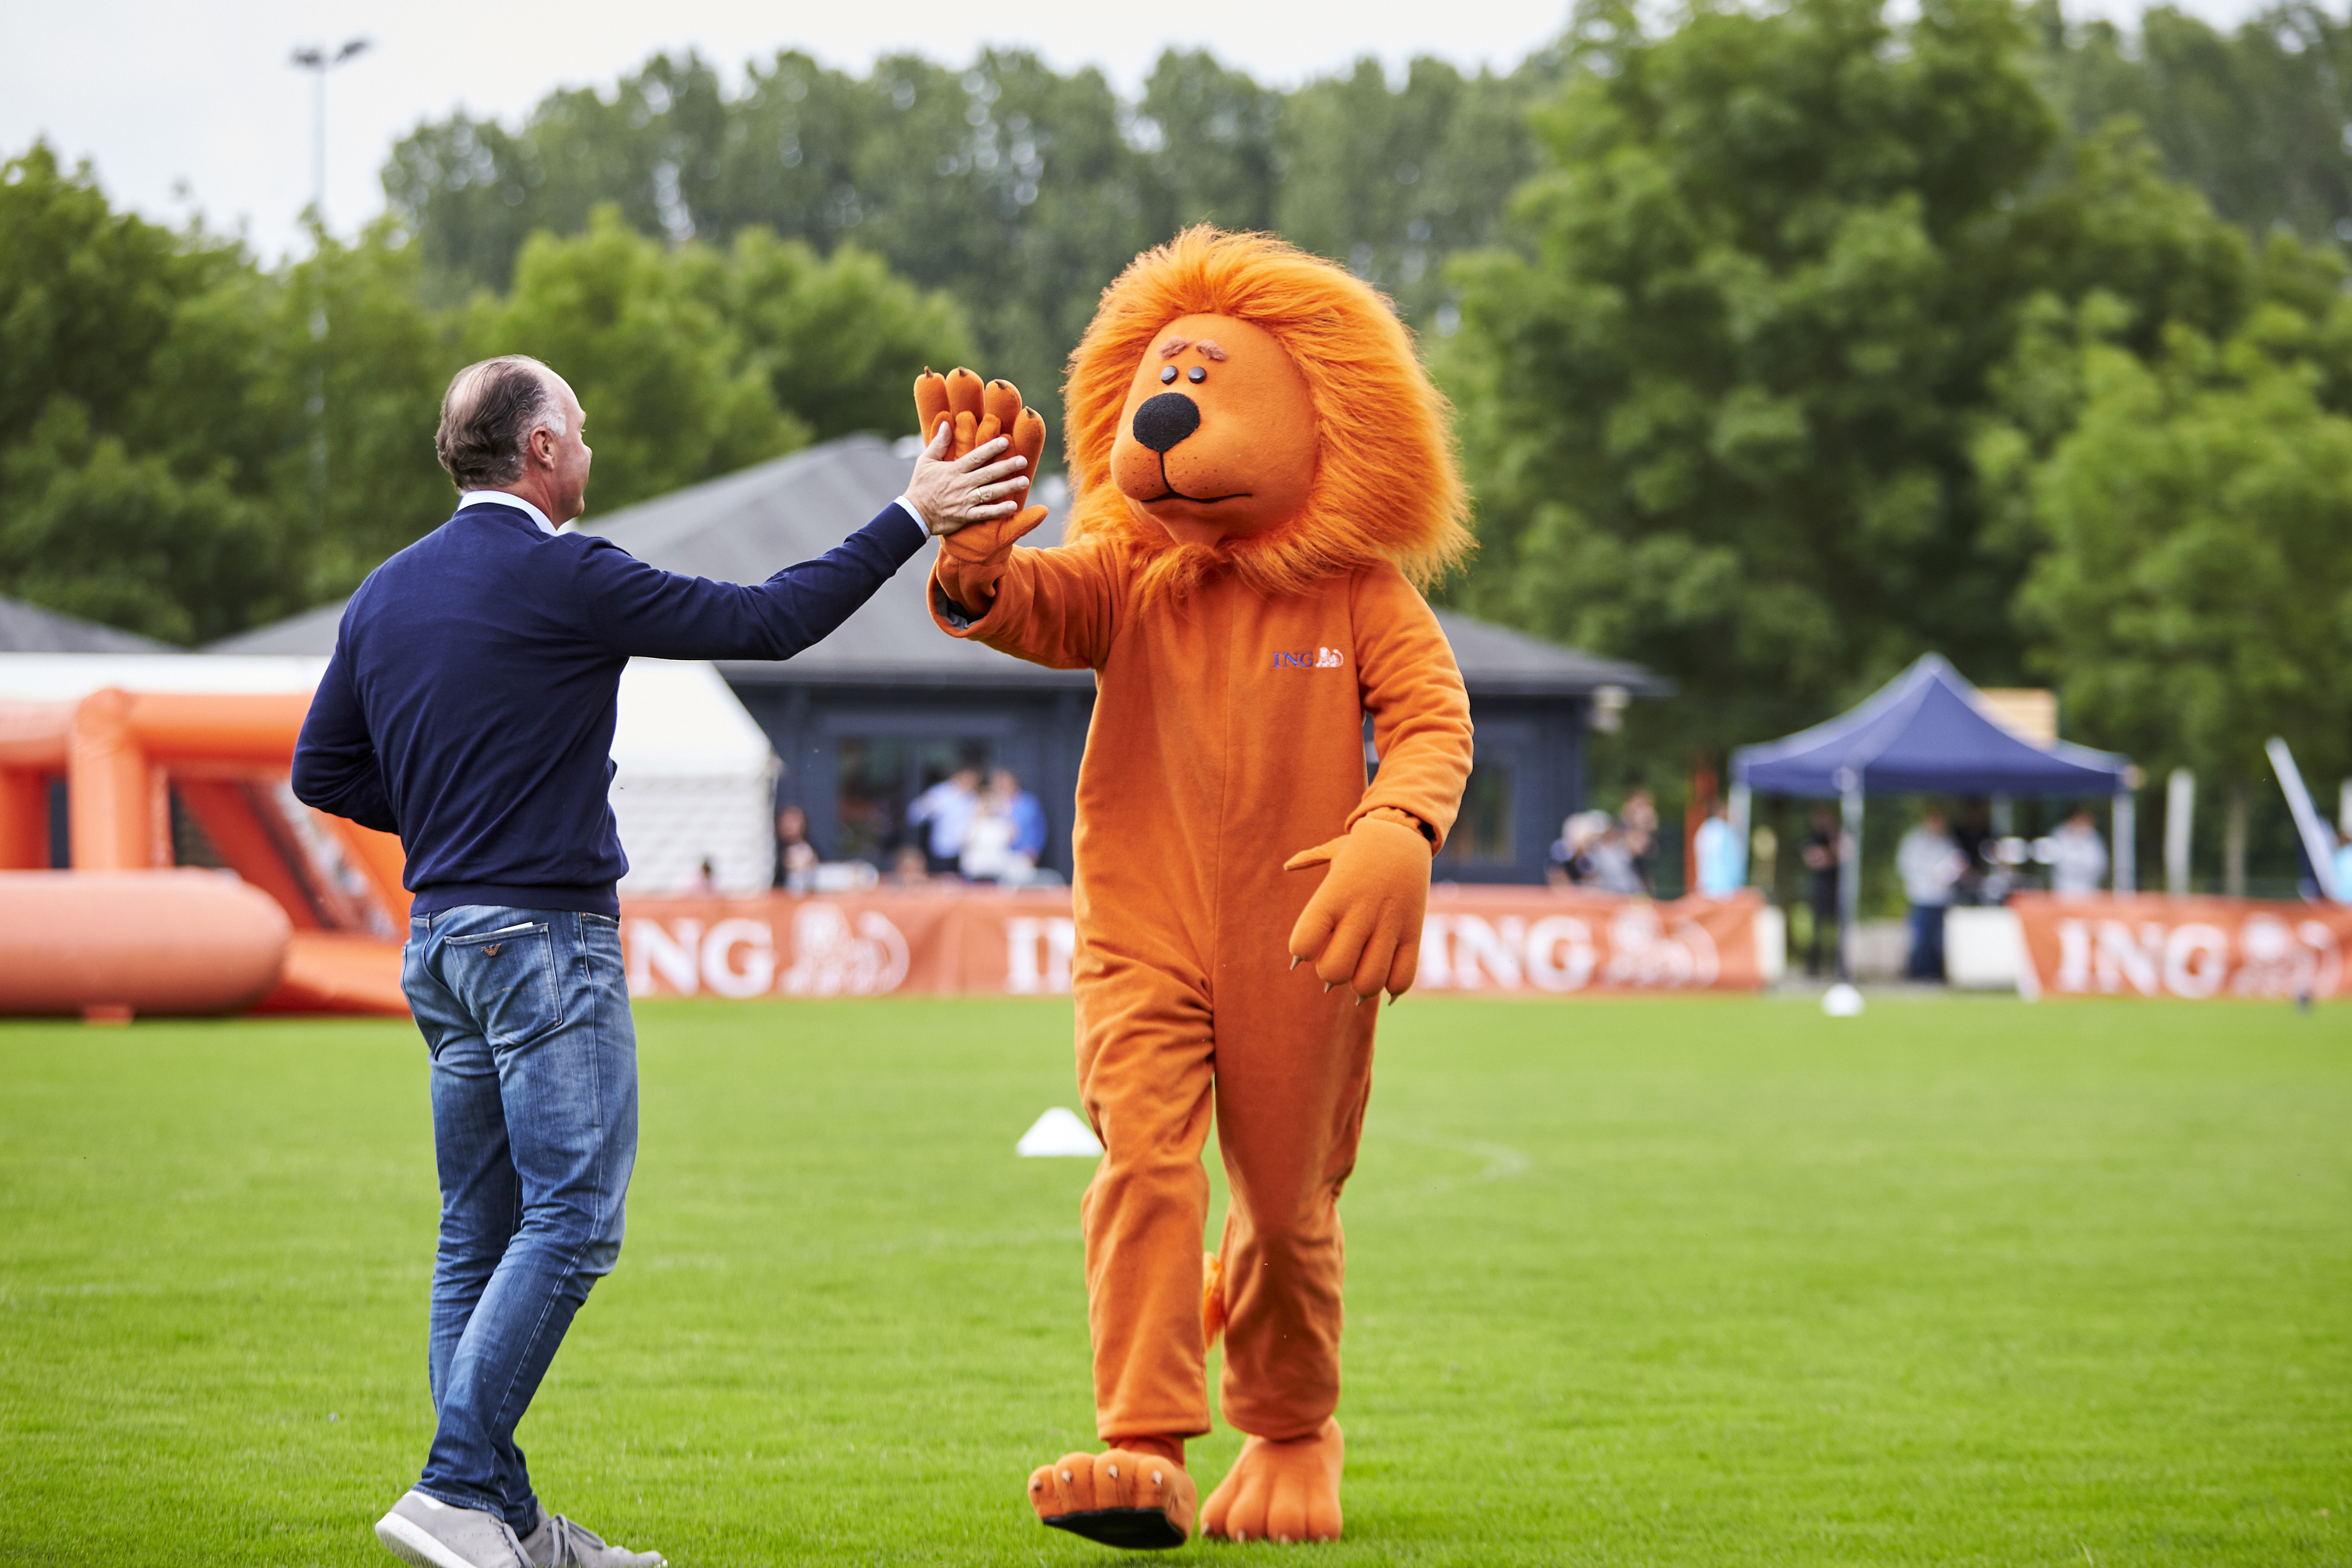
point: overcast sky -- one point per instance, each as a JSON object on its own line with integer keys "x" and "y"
{"x": 185, "y": 107}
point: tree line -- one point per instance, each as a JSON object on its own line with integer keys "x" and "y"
{"x": 1788, "y": 344}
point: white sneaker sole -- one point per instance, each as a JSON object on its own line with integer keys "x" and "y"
{"x": 410, "y": 1543}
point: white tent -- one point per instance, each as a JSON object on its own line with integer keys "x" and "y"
{"x": 695, "y": 773}
{"x": 696, "y": 782}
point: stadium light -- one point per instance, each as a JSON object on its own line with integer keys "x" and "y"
{"x": 319, "y": 62}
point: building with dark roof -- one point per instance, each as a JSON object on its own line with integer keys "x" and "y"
{"x": 886, "y": 705}
{"x": 28, "y": 628}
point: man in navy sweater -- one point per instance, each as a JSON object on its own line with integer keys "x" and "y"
{"x": 469, "y": 708}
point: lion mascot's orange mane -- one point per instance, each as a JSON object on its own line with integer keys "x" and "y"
{"x": 1386, "y": 488}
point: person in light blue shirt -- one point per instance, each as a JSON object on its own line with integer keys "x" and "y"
{"x": 2344, "y": 862}
{"x": 1722, "y": 858}
{"x": 1028, "y": 816}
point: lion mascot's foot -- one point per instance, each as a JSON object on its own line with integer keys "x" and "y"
{"x": 1281, "y": 1491}
{"x": 1137, "y": 1503}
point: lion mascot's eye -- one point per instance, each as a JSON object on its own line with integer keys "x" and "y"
{"x": 1167, "y": 373}
{"x": 1198, "y": 373}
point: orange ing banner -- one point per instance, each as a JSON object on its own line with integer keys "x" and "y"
{"x": 2150, "y": 945}
{"x": 1498, "y": 941}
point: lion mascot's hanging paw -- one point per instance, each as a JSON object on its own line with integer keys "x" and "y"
{"x": 1136, "y": 1502}
{"x": 1283, "y": 1491}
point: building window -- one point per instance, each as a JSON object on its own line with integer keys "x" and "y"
{"x": 1481, "y": 833}
{"x": 880, "y": 777}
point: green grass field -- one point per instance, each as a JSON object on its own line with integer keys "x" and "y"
{"x": 1957, "y": 1282}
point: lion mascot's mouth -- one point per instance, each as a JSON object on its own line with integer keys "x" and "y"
{"x": 1166, "y": 420}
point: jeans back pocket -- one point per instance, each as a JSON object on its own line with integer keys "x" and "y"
{"x": 507, "y": 981}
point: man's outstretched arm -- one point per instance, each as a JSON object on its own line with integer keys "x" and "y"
{"x": 637, "y": 609}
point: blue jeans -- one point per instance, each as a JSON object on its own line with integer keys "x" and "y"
{"x": 526, "y": 1014}
{"x": 1927, "y": 942}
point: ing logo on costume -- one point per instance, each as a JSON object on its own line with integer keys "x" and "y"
{"x": 1321, "y": 659}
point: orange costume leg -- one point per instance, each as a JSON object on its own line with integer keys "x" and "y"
{"x": 1144, "y": 1073}
{"x": 1294, "y": 1074}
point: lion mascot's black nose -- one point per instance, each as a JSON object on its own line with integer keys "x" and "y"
{"x": 1165, "y": 419}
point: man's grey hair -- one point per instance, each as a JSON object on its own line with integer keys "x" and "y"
{"x": 488, "y": 416}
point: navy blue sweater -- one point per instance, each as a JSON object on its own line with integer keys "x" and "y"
{"x": 469, "y": 704}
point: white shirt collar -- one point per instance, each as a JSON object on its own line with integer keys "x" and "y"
{"x": 504, "y": 498}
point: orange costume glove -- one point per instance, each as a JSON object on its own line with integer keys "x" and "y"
{"x": 1362, "y": 927}
{"x": 973, "y": 557}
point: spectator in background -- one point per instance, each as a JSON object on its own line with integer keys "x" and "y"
{"x": 944, "y": 813}
{"x": 1824, "y": 849}
{"x": 2343, "y": 861}
{"x": 1028, "y": 814}
{"x": 1571, "y": 852}
{"x": 796, "y": 855}
{"x": 2078, "y": 857}
{"x": 1930, "y": 863}
{"x": 1614, "y": 869}
{"x": 1722, "y": 864}
{"x": 1006, "y": 832}
{"x": 908, "y": 868}
{"x": 988, "y": 842}
{"x": 1972, "y": 830}
{"x": 1637, "y": 835}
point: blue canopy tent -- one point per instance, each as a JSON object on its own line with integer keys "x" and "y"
{"x": 1926, "y": 731}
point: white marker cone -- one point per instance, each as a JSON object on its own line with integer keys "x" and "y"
{"x": 1841, "y": 1001}
{"x": 1058, "y": 1131}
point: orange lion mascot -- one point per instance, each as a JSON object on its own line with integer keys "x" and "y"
{"x": 1263, "y": 474}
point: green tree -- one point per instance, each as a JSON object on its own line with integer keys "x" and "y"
{"x": 1210, "y": 140}
{"x": 1393, "y": 181}
{"x": 1720, "y": 419}
{"x": 2253, "y": 118}
{"x": 2194, "y": 596}
{"x": 136, "y": 449}
{"x": 96, "y": 530}
{"x": 474, "y": 192}
{"x": 1020, "y": 191}
{"x": 837, "y": 338}
{"x": 355, "y": 365}
{"x": 670, "y": 394}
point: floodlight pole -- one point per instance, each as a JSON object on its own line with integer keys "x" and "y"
{"x": 2179, "y": 815}
{"x": 1849, "y": 782}
{"x": 2123, "y": 866}
{"x": 319, "y": 62}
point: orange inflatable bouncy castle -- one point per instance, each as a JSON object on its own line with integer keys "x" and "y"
{"x": 1262, "y": 476}
{"x": 120, "y": 932}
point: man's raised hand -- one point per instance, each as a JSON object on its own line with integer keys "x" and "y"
{"x": 965, "y": 475}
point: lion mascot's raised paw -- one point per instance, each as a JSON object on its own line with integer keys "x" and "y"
{"x": 972, "y": 559}
{"x": 1134, "y": 1502}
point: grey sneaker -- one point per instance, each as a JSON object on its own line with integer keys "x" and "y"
{"x": 433, "y": 1534}
{"x": 557, "y": 1542}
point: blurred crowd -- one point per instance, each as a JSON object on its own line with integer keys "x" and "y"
{"x": 1945, "y": 859}
{"x": 1609, "y": 853}
{"x": 968, "y": 827}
